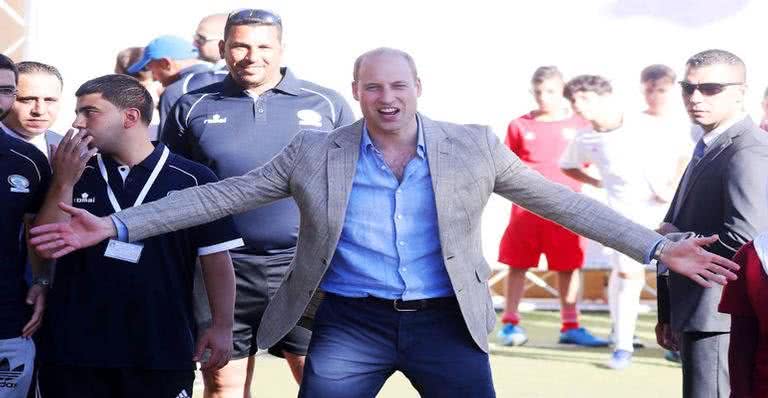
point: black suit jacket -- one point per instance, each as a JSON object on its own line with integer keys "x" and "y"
{"x": 726, "y": 193}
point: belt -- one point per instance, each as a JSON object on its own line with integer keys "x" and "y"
{"x": 401, "y": 305}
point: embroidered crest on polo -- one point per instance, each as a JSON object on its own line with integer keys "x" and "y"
{"x": 529, "y": 135}
{"x": 308, "y": 117}
{"x": 18, "y": 183}
{"x": 85, "y": 197}
{"x": 215, "y": 119}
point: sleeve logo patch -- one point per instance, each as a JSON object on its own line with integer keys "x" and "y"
{"x": 18, "y": 183}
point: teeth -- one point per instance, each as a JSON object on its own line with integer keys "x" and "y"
{"x": 388, "y": 110}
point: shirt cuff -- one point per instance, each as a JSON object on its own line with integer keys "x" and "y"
{"x": 122, "y": 230}
{"x": 220, "y": 247}
{"x": 661, "y": 268}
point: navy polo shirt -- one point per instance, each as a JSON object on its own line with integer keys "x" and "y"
{"x": 232, "y": 132}
{"x": 24, "y": 179}
{"x": 190, "y": 78}
{"x": 104, "y": 312}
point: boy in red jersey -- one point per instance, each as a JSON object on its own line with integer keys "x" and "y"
{"x": 539, "y": 139}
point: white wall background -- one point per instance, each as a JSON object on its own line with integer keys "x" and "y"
{"x": 474, "y": 58}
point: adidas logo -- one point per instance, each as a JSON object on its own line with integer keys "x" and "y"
{"x": 84, "y": 198}
{"x": 183, "y": 394}
{"x": 8, "y": 376}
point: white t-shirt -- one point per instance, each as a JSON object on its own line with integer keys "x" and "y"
{"x": 623, "y": 158}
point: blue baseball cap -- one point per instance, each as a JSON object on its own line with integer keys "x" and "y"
{"x": 171, "y": 47}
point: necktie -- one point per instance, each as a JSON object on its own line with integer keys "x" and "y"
{"x": 698, "y": 151}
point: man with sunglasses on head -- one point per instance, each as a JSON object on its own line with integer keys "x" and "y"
{"x": 25, "y": 176}
{"x": 238, "y": 125}
{"x": 723, "y": 191}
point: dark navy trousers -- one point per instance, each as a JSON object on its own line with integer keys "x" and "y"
{"x": 357, "y": 344}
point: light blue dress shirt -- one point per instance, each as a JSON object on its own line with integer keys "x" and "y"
{"x": 389, "y": 245}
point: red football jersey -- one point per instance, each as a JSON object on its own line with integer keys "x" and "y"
{"x": 541, "y": 144}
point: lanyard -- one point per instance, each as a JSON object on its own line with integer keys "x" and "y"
{"x": 147, "y": 185}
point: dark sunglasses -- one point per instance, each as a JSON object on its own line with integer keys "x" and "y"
{"x": 707, "y": 89}
{"x": 249, "y": 15}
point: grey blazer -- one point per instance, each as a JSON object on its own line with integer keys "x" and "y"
{"x": 726, "y": 194}
{"x": 467, "y": 163}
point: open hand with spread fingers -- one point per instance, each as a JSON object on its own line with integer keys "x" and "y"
{"x": 82, "y": 230}
{"x": 689, "y": 258}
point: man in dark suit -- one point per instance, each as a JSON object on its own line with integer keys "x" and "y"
{"x": 723, "y": 192}
{"x": 36, "y": 107}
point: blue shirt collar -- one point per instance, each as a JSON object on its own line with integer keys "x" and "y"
{"x": 366, "y": 143}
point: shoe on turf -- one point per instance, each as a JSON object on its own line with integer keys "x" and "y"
{"x": 512, "y": 335}
{"x": 672, "y": 356}
{"x": 620, "y": 359}
{"x": 582, "y": 337}
{"x": 637, "y": 343}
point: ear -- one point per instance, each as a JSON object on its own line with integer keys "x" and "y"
{"x": 418, "y": 87}
{"x": 354, "y": 91}
{"x": 222, "y": 47}
{"x": 131, "y": 118}
{"x": 165, "y": 63}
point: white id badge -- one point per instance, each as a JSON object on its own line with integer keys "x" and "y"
{"x": 123, "y": 251}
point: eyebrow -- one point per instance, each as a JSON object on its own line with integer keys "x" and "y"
{"x": 86, "y": 108}
{"x": 29, "y": 97}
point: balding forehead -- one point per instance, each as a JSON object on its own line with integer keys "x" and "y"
{"x": 384, "y": 53}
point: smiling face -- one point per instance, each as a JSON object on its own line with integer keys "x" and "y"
{"x": 388, "y": 93}
{"x": 37, "y": 104}
{"x": 709, "y": 111}
{"x": 253, "y": 54}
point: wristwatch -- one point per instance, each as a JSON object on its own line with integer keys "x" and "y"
{"x": 42, "y": 281}
{"x": 659, "y": 250}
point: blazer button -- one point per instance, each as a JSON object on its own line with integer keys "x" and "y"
{"x": 324, "y": 261}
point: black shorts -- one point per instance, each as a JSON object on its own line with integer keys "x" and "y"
{"x": 64, "y": 381}
{"x": 257, "y": 279}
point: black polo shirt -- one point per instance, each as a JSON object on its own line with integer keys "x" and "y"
{"x": 104, "y": 312}
{"x": 232, "y": 132}
{"x": 24, "y": 179}
{"x": 190, "y": 78}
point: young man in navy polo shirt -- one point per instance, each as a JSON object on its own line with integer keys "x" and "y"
{"x": 238, "y": 125}
{"x": 119, "y": 323}
{"x": 24, "y": 175}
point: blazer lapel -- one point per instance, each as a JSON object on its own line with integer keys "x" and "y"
{"x": 438, "y": 151}
{"x": 341, "y": 166}
{"x": 721, "y": 143}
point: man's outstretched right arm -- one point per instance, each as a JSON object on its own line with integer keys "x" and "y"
{"x": 179, "y": 210}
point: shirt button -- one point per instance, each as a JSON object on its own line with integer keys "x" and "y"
{"x": 261, "y": 110}
{"x": 399, "y": 191}
{"x": 399, "y": 216}
{"x": 404, "y": 269}
{"x": 383, "y": 167}
{"x": 401, "y": 243}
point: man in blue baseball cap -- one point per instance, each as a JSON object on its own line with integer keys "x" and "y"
{"x": 174, "y": 62}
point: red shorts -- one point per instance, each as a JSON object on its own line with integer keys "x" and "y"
{"x": 528, "y": 236}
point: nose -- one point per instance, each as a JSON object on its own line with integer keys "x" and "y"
{"x": 39, "y": 108}
{"x": 79, "y": 122}
{"x": 387, "y": 95}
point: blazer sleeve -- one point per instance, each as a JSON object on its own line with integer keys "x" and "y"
{"x": 556, "y": 202}
{"x": 209, "y": 202}
{"x": 746, "y": 200}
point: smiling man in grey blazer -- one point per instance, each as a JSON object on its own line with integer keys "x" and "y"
{"x": 724, "y": 191}
{"x": 390, "y": 233}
